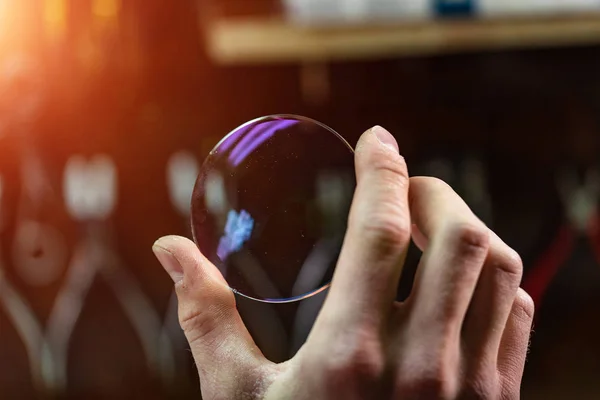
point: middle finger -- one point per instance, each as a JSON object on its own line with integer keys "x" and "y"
{"x": 458, "y": 244}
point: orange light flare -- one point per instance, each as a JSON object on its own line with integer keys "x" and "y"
{"x": 94, "y": 45}
{"x": 19, "y": 26}
{"x": 55, "y": 15}
{"x": 19, "y": 52}
{"x": 107, "y": 9}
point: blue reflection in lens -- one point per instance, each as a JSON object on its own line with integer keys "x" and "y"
{"x": 238, "y": 230}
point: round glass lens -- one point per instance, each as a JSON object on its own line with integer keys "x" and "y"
{"x": 271, "y": 204}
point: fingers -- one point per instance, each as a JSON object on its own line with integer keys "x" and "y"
{"x": 419, "y": 239}
{"x": 515, "y": 343}
{"x": 457, "y": 246}
{"x": 207, "y": 313}
{"x": 467, "y": 288}
{"x": 492, "y": 304}
{"x": 378, "y": 235}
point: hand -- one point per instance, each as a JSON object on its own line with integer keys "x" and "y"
{"x": 462, "y": 333}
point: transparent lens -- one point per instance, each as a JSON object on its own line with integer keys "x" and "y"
{"x": 271, "y": 204}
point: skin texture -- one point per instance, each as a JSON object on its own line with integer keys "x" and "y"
{"x": 462, "y": 334}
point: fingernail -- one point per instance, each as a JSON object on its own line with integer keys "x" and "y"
{"x": 386, "y": 138}
{"x": 169, "y": 262}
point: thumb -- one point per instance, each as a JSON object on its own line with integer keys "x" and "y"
{"x": 222, "y": 347}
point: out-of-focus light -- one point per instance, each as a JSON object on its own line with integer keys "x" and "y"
{"x": 17, "y": 26}
{"x": 106, "y": 8}
{"x": 182, "y": 171}
{"x": 2, "y": 217}
{"x": 55, "y": 17}
{"x": 3, "y": 16}
{"x": 90, "y": 187}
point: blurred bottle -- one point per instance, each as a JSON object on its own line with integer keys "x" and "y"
{"x": 493, "y": 8}
{"x": 332, "y": 12}
{"x": 355, "y": 11}
{"x": 454, "y": 8}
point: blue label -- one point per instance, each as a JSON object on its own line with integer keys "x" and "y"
{"x": 452, "y": 8}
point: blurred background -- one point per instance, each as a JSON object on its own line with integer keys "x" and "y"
{"x": 108, "y": 107}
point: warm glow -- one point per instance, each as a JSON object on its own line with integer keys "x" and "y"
{"x": 106, "y": 8}
{"x": 55, "y": 17}
{"x": 17, "y": 26}
{"x": 4, "y": 19}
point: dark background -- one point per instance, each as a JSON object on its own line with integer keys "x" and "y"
{"x": 140, "y": 86}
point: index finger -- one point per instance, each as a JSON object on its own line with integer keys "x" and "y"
{"x": 368, "y": 271}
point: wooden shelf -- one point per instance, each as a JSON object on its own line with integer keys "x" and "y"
{"x": 272, "y": 39}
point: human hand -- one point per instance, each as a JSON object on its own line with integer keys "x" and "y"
{"x": 463, "y": 332}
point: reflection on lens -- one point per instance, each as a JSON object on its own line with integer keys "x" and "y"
{"x": 271, "y": 204}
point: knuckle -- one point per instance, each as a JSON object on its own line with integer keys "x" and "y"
{"x": 471, "y": 240}
{"x": 390, "y": 164}
{"x": 514, "y": 263}
{"x": 388, "y": 233}
{"x": 525, "y": 305}
{"x": 430, "y": 371}
{"x": 203, "y": 315}
{"x": 366, "y": 367}
{"x": 382, "y": 216}
{"x": 511, "y": 265}
{"x": 198, "y": 325}
{"x": 203, "y": 309}
{"x": 434, "y": 384}
{"x": 360, "y": 361}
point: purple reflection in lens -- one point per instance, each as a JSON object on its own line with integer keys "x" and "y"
{"x": 268, "y": 133}
{"x": 231, "y": 139}
{"x": 249, "y": 136}
{"x": 266, "y": 238}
